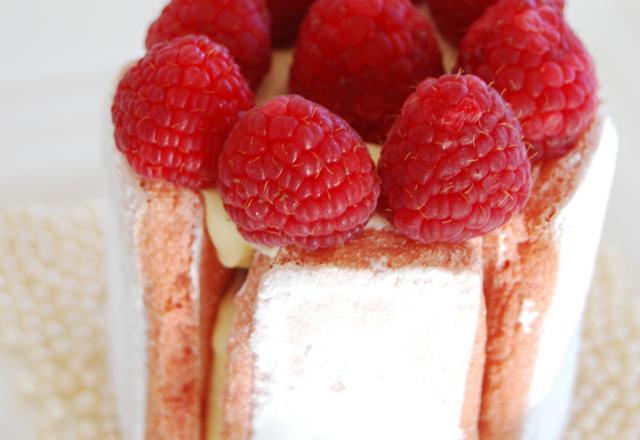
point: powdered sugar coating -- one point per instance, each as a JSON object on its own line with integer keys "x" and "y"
{"x": 362, "y": 350}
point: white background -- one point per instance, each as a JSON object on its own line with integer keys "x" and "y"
{"x": 58, "y": 61}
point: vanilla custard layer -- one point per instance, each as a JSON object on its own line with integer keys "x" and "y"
{"x": 221, "y": 335}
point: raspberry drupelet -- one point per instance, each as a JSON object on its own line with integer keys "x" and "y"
{"x": 173, "y": 110}
{"x": 242, "y": 26}
{"x": 454, "y": 165}
{"x": 528, "y": 52}
{"x": 362, "y": 58}
{"x": 293, "y": 173}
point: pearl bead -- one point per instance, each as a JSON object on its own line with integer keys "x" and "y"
{"x": 54, "y": 408}
{"x": 10, "y": 337}
{"x": 27, "y": 384}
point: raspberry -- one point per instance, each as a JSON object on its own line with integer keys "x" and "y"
{"x": 454, "y": 17}
{"x": 529, "y": 54}
{"x": 240, "y": 25}
{"x": 293, "y": 173}
{"x": 362, "y": 58}
{"x": 286, "y": 16}
{"x": 174, "y": 109}
{"x": 454, "y": 165}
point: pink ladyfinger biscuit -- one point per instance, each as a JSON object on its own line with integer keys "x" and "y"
{"x": 537, "y": 273}
{"x": 164, "y": 287}
{"x": 347, "y": 335}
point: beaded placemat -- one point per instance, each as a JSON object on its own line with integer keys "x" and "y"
{"x": 52, "y": 305}
{"x": 52, "y": 300}
{"x": 607, "y": 396}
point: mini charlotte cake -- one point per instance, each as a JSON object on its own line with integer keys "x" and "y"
{"x": 374, "y": 250}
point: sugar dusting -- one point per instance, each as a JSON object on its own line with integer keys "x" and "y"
{"x": 528, "y": 315}
{"x": 353, "y": 344}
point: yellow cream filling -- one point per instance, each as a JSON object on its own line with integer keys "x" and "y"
{"x": 374, "y": 151}
{"x": 233, "y": 251}
{"x": 220, "y": 342}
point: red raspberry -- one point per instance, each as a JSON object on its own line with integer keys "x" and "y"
{"x": 286, "y": 16}
{"x": 293, "y": 173}
{"x": 529, "y": 54}
{"x": 240, "y": 25}
{"x": 362, "y": 58}
{"x": 454, "y": 165}
{"x": 174, "y": 109}
{"x": 455, "y": 16}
